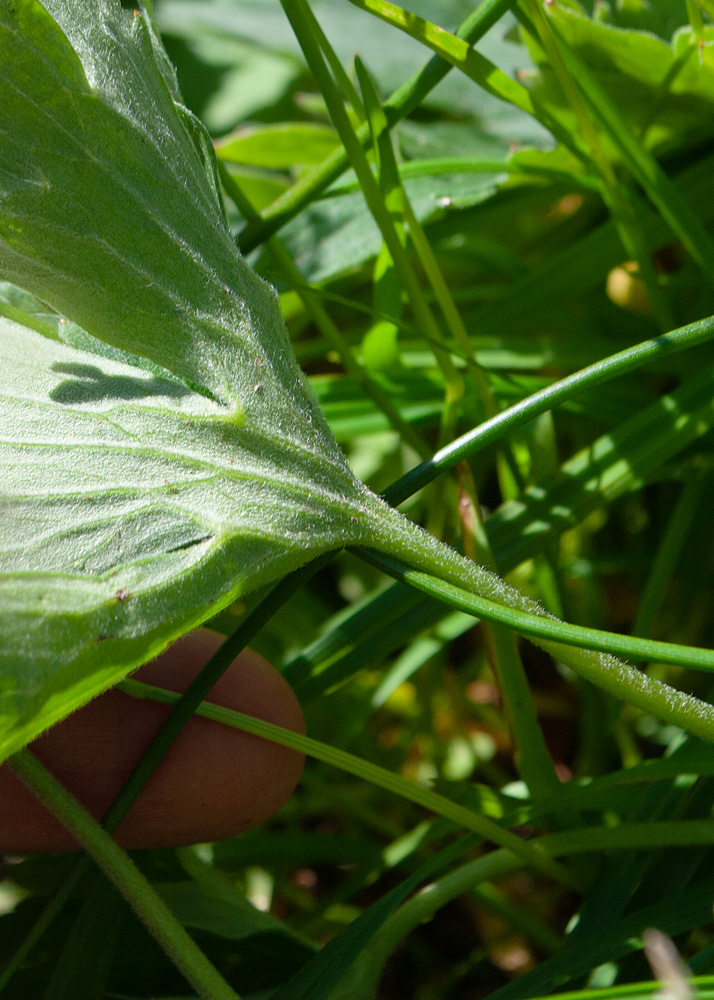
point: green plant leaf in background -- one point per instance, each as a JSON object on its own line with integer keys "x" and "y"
{"x": 663, "y": 90}
{"x": 144, "y": 485}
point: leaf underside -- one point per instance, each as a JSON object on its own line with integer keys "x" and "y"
{"x": 179, "y": 460}
{"x": 161, "y": 454}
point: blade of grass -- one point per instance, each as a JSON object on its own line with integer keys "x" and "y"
{"x": 86, "y": 958}
{"x": 346, "y": 630}
{"x": 453, "y": 49}
{"x": 528, "y": 853}
{"x": 166, "y": 734}
{"x": 324, "y": 322}
{"x": 661, "y": 191}
{"x": 25, "y": 319}
{"x": 704, "y": 986}
{"x": 343, "y": 81}
{"x": 655, "y": 590}
{"x": 602, "y": 371}
{"x": 121, "y": 870}
{"x": 389, "y": 168}
{"x": 531, "y": 756}
{"x": 398, "y": 106}
{"x": 368, "y": 650}
{"x": 295, "y": 11}
{"x": 440, "y": 165}
{"x": 541, "y": 626}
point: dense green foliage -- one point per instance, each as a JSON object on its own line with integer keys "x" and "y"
{"x": 508, "y": 247}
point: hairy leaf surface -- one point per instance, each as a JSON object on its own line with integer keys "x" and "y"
{"x": 183, "y": 461}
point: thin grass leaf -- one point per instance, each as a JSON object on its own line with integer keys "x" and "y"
{"x": 642, "y": 165}
{"x": 397, "y": 107}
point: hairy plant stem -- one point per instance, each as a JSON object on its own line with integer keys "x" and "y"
{"x": 184, "y": 707}
{"x": 121, "y": 870}
{"x": 532, "y": 759}
{"x": 411, "y": 555}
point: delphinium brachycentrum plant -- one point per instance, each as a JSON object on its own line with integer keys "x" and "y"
{"x": 162, "y": 453}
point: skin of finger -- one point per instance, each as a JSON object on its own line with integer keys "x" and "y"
{"x": 214, "y": 781}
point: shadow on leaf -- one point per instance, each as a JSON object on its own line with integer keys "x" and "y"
{"x": 91, "y": 384}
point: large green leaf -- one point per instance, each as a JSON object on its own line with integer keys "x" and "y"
{"x": 663, "y": 91}
{"x": 141, "y": 491}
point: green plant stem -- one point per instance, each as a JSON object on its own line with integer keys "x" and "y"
{"x": 445, "y": 575}
{"x": 455, "y": 49}
{"x": 473, "y": 65}
{"x": 184, "y": 707}
{"x": 531, "y": 620}
{"x": 505, "y": 464}
{"x": 618, "y": 203}
{"x": 343, "y": 80}
{"x": 364, "y": 975}
{"x": 582, "y": 840}
{"x": 533, "y": 761}
{"x": 448, "y": 307}
{"x": 665, "y": 561}
{"x": 396, "y": 208}
{"x": 532, "y": 758}
{"x": 696, "y": 21}
{"x": 454, "y": 389}
{"x": 121, "y": 870}
{"x": 398, "y": 106}
{"x": 25, "y": 319}
{"x": 545, "y": 399}
{"x": 528, "y": 853}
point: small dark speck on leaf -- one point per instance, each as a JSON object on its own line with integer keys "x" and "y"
{"x": 121, "y": 594}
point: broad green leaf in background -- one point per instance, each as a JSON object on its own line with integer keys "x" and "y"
{"x": 391, "y": 57}
{"x": 135, "y": 502}
{"x": 278, "y": 147}
{"x": 663, "y": 90}
{"x": 338, "y": 234}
